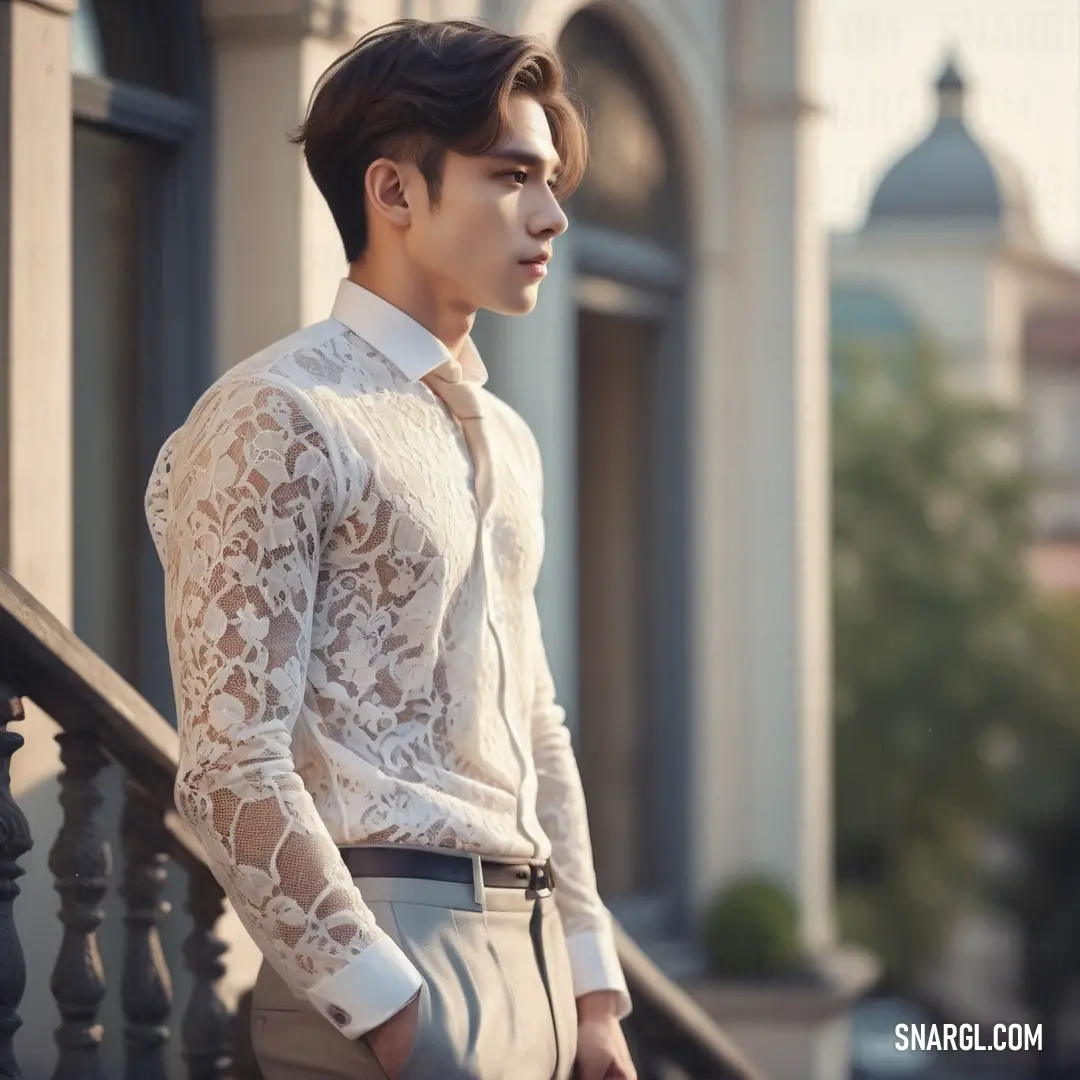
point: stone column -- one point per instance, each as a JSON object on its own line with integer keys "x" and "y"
{"x": 35, "y": 299}
{"x": 278, "y": 257}
{"x": 784, "y": 498}
{"x": 36, "y": 497}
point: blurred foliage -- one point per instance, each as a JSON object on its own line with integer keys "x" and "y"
{"x": 1040, "y": 811}
{"x": 751, "y": 930}
{"x": 942, "y": 679}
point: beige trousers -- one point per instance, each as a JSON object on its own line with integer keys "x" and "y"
{"x": 485, "y": 1013}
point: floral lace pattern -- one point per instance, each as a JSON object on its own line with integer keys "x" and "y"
{"x": 356, "y": 650}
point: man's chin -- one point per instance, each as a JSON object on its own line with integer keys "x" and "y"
{"x": 520, "y": 304}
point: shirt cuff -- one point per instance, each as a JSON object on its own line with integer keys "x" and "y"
{"x": 594, "y": 965}
{"x": 376, "y": 985}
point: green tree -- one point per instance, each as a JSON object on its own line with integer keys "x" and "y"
{"x": 934, "y": 644}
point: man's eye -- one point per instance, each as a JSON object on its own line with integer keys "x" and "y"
{"x": 519, "y": 176}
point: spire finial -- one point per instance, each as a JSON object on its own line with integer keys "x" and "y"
{"x": 951, "y": 86}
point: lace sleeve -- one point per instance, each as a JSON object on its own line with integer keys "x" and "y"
{"x": 250, "y": 496}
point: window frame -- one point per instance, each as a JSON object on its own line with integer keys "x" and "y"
{"x": 625, "y": 276}
{"x": 175, "y": 333}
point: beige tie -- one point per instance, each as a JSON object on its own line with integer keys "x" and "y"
{"x": 462, "y": 398}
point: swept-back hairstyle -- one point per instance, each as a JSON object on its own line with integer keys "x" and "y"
{"x": 413, "y": 90}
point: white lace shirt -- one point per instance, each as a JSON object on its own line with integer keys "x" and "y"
{"x": 356, "y": 650}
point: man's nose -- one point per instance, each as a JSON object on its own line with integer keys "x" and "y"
{"x": 551, "y": 219}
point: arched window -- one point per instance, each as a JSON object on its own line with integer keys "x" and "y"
{"x": 628, "y": 238}
{"x": 632, "y": 185}
{"x": 140, "y": 304}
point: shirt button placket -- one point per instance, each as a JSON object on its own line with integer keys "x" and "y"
{"x": 486, "y": 498}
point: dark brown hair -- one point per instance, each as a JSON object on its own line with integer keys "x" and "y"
{"x": 411, "y": 91}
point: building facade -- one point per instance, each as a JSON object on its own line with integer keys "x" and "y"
{"x": 160, "y": 227}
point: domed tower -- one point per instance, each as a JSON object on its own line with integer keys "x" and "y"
{"x": 951, "y": 179}
{"x": 948, "y": 237}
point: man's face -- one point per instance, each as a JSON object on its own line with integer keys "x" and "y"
{"x": 495, "y": 216}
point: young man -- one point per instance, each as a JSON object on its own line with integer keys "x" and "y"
{"x": 351, "y": 531}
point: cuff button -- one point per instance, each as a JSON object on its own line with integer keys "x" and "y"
{"x": 338, "y": 1015}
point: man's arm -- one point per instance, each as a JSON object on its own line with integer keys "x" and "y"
{"x": 239, "y": 519}
{"x": 561, "y": 809}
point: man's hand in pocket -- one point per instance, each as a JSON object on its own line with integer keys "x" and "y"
{"x": 392, "y": 1041}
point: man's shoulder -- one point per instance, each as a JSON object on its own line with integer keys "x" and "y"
{"x": 310, "y": 367}
{"x": 325, "y": 357}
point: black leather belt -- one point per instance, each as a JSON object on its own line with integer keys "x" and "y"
{"x": 392, "y": 862}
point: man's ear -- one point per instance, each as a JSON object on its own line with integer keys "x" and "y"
{"x": 384, "y": 185}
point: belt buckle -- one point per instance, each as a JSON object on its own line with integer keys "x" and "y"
{"x": 477, "y": 880}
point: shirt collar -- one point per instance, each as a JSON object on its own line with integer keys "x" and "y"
{"x": 399, "y": 337}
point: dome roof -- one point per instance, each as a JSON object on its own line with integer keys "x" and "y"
{"x": 950, "y": 177}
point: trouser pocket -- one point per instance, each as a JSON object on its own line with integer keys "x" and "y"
{"x": 469, "y": 1024}
{"x": 292, "y": 1040}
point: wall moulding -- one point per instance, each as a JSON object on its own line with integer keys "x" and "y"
{"x": 289, "y": 20}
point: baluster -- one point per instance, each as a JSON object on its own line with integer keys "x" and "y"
{"x": 14, "y": 844}
{"x": 206, "y": 1022}
{"x": 146, "y": 990}
{"x": 80, "y": 861}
